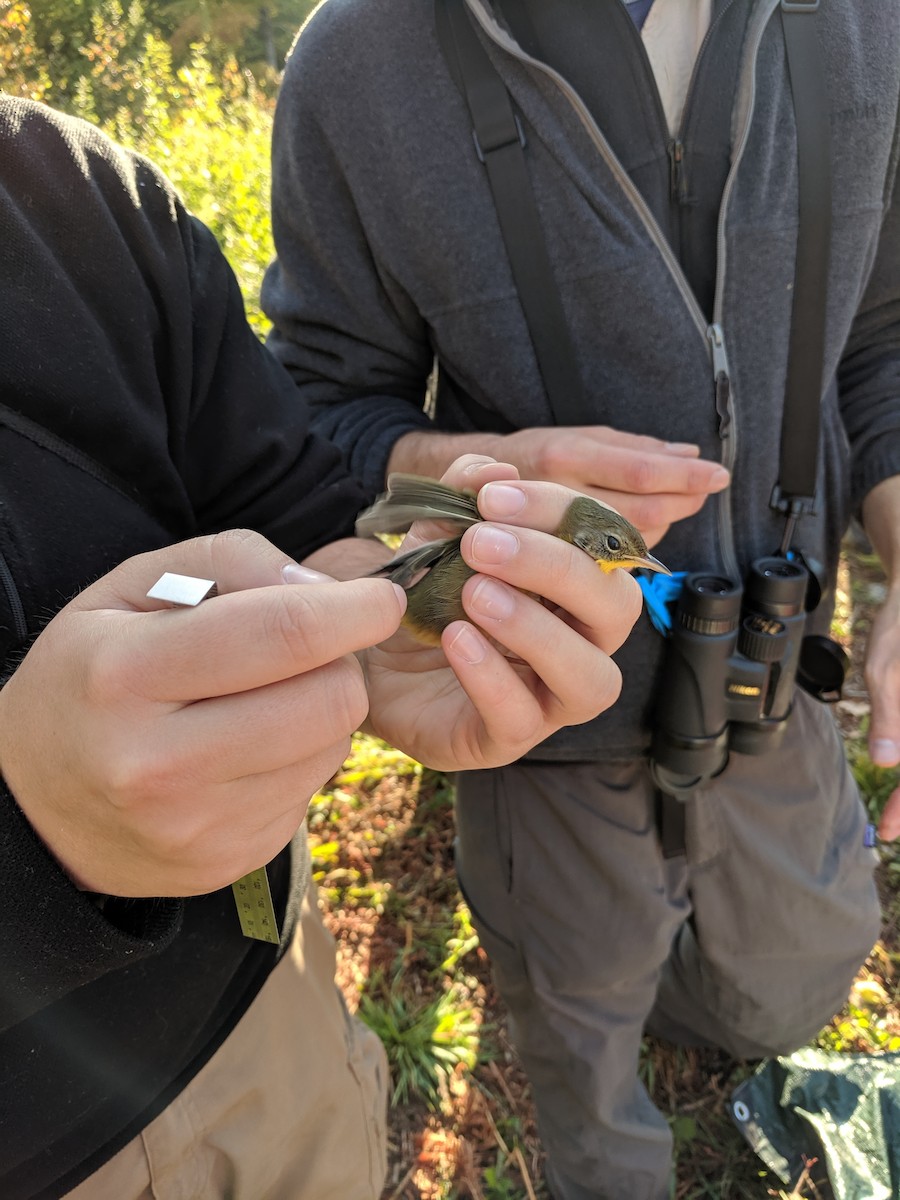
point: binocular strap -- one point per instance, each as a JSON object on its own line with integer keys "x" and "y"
{"x": 670, "y": 822}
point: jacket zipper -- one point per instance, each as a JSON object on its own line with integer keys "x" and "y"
{"x": 20, "y": 625}
{"x": 712, "y": 334}
{"x": 728, "y": 438}
{"x": 676, "y": 145}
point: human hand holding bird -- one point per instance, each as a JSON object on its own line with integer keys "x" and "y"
{"x": 433, "y": 574}
{"x": 532, "y": 650}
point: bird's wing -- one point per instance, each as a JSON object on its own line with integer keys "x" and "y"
{"x": 412, "y": 498}
{"x": 405, "y": 567}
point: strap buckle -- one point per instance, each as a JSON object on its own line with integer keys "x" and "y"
{"x": 793, "y": 506}
{"x": 499, "y": 145}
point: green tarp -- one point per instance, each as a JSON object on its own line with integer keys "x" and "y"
{"x": 843, "y": 1109}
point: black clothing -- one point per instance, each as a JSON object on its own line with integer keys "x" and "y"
{"x": 137, "y": 408}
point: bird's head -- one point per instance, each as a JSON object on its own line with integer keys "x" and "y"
{"x": 604, "y": 534}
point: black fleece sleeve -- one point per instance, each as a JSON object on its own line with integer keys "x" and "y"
{"x": 250, "y": 458}
{"x": 142, "y": 409}
{"x": 132, "y": 345}
{"x": 56, "y": 938}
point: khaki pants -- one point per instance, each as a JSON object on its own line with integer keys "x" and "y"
{"x": 291, "y": 1107}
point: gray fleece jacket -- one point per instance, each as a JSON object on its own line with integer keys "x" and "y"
{"x": 390, "y": 256}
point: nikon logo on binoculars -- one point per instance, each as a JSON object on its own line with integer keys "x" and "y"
{"x": 743, "y": 689}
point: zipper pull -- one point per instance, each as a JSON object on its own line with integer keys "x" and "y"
{"x": 721, "y": 379}
{"x": 676, "y": 174}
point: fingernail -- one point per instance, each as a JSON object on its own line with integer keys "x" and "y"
{"x": 294, "y": 573}
{"x": 501, "y": 500}
{"x": 493, "y": 545}
{"x": 401, "y": 595}
{"x": 884, "y": 752}
{"x": 468, "y": 644}
{"x": 491, "y": 599}
{"x": 720, "y": 478}
{"x": 686, "y": 448}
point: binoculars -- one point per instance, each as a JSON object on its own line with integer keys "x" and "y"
{"x": 732, "y": 662}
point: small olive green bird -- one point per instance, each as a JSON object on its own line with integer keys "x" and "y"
{"x": 434, "y": 600}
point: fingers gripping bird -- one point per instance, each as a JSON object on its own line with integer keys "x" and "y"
{"x": 434, "y": 599}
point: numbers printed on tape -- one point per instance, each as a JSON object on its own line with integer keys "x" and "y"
{"x": 254, "y": 905}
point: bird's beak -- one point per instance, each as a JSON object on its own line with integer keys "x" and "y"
{"x": 646, "y": 561}
{"x": 649, "y": 563}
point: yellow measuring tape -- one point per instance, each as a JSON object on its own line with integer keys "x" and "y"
{"x": 254, "y": 905}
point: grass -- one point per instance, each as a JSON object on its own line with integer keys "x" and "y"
{"x": 425, "y": 1039}
{"x": 462, "y": 1122}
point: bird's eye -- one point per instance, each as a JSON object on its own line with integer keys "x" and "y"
{"x": 613, "y": 543}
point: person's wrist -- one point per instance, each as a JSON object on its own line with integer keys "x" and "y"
{"x": 430, "y": 452}
{"x": 406, "y": 452}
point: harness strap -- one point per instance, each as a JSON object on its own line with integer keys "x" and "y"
{"x": 500, "y": 145}
{"x": 671, "y": 822}
{"x": 796, "y": 488}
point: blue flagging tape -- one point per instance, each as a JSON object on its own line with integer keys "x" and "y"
{"x": 660, "y": 591}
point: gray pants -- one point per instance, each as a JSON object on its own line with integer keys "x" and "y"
{"x": 750, "y": 941}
